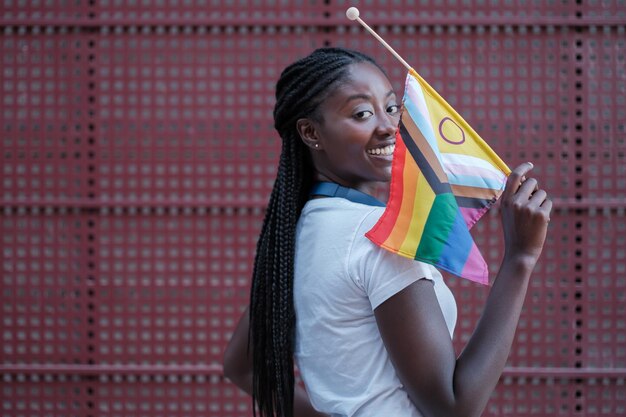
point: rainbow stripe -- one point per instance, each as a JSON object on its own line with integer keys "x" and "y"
{"x": 444, "y": 178}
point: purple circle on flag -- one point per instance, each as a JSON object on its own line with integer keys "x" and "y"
{"x": 455, "y": 141}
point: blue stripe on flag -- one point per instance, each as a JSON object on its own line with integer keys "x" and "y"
{"x": 457, "y": 247}
{"x": 473, "y": 181}
{"x": 424, "y": 126}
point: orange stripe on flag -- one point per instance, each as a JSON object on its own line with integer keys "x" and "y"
{"x": 423, "y": 204}
{"x": 411, "y": 176}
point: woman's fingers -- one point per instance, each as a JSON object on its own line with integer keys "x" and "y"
{"x": 525, "y": 213}
{"x": 546, "y": 207}
{"x": 540, "y": 203}
{"x": 537, "y": 199}
{"x": 527, "y": 188}
{"x": 516, "y": 178}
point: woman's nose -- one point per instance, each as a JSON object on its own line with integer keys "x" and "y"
{"x": 387, "y": 124}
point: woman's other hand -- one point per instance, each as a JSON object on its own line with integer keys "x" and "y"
{"x": 525, "y": 215}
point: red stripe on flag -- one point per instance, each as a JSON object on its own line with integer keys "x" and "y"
{"x": 383, "y": 228}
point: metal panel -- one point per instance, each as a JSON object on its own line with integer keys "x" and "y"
{"x": 138, "y": 153}
{"x": 43, "y": 291}
{"x": 45, "y": 395}
{"x": 44, "y": 93}
{"x": 407, "y": 10}
{"x": 184, "y": 116}
{"x": 602, "y": 294}
{"x": 207, "y": 9}
{"x": 523, "y": 396}
{"x": 601, "y": 126}
{"x": 170, "y": 285}
{"x": 172, "y": 395}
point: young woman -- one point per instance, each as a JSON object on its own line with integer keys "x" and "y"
{"x": 370, "y": 330}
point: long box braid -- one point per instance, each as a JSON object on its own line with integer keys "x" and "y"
{"x": 302, "y": 87}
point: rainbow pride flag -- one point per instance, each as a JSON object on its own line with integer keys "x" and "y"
{"x": 444, "y": 178}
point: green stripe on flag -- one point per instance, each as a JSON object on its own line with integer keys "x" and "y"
{"x": 437, "y": 229}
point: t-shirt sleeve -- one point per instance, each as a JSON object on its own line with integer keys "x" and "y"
{"x": 380, "y": 273}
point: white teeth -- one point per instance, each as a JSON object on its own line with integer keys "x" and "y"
{"x": 387, "y": 150}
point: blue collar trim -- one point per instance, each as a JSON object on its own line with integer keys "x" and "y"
{"x": 330, "y": 189}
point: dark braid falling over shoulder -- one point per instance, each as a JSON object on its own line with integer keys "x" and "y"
{"x": 299, "y": 91}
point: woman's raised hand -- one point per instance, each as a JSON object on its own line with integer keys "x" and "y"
{"x": 525, "y": 215}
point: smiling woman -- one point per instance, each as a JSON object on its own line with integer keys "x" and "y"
{"x": 352, "y": 133}
{"x": 370, "y": 331}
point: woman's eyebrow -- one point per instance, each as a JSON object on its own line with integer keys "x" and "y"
{"x": 365, "y": 96}
{"x": 357, "y": 97}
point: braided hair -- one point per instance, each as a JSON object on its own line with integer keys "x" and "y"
{"x": 302, "y": 87}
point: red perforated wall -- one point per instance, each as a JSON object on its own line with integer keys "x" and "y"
{"x": 138, "y": 154}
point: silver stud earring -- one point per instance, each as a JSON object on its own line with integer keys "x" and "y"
{"x": 317, "y": 145}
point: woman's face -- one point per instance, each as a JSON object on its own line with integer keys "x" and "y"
{"x": 355, "y": 130}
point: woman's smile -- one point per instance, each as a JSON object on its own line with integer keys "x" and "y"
{"x": 383, "y": 151}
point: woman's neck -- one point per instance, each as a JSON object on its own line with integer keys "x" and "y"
{"x": 379, "y": 190}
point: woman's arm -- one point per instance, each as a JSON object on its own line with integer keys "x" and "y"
{"x": 415, "y": 333}
{"x": 238, "y": 368}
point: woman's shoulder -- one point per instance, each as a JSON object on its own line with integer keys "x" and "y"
{"x": 339, "y": 207}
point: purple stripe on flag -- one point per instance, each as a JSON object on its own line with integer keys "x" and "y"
{"x": 472, "y": 215}
{"x": 475, "y": 268}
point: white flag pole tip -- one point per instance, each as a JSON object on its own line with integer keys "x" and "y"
{"x": 353, "y": 14}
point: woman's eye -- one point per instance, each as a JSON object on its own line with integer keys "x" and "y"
{"x": 363, "y": 114}
{"x": 393, "y": 109}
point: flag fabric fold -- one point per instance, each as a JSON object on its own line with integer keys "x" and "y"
{"x": 444, "y": 178}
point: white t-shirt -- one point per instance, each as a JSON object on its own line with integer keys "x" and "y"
{"x": 340, "y": 278}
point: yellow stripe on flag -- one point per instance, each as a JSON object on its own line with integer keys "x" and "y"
{"x": 424, "y": 198}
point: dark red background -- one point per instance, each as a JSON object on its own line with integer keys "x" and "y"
{"x": 138, "y": 154}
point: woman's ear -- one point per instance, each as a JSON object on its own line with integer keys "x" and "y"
{"x": 308, "y": 133}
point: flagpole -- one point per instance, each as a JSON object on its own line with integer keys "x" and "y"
{"x": 353, "y": 14}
